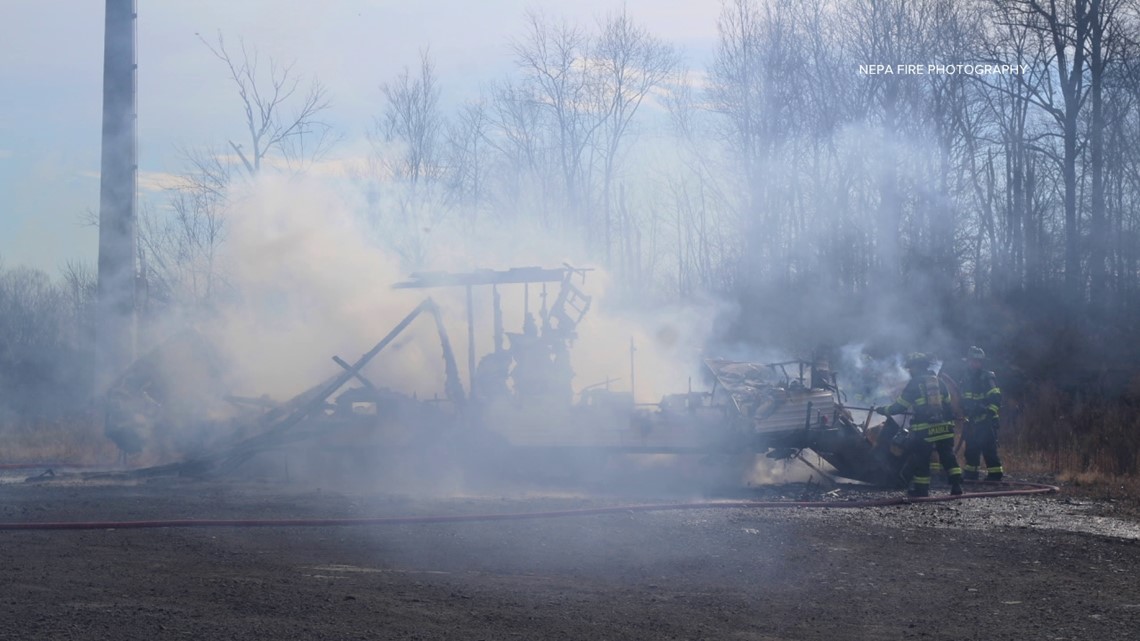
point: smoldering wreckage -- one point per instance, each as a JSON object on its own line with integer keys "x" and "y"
{"x": 518, "y": 414}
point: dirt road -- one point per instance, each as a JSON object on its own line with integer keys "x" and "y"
{"x": 1003, "y": 568}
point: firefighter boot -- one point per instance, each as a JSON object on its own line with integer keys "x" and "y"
{"x": 956, "y": 482}
{"x": 994, "y": 476}
{"x": 970, "y": 473}
{"x": 919, "y": 491}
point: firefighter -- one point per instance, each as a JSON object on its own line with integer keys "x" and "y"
{"x": 927, "y": 400}
{"x": 981, "y": 403}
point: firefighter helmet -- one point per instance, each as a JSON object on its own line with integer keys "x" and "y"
{"x": 975, "y": 353}
{"x": 917, "y": 360}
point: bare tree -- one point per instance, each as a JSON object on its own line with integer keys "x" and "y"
{"x": 35, "y": 353}
{"x": 554, "y": 59}
{"x": 80, "y": 283}
{"x": 756, "y": 84}
{"x": 466, "y": 159}
{"x": 955, "y": 117}
{"x": 408, "y": 150}
{"x": 280, "y": 116}
{"x": 1013, "y": 239}
{"x": 179, "y": 246}
{"x": 1124, "y": 153}
{"x": 1105, "y": 46}
{"x": 413, "y": 120}
{"x": 1062, "y": 30}
{"x": 702, "y": 212}
{"x": 888, "y": 31}
{"x": 631, "y": 63}
{"x": 736, "y": 81}
{"x": 515, "y": 136}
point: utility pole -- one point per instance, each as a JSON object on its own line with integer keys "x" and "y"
{"x": 115, "y": 312}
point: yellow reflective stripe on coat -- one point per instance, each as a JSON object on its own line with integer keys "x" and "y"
{"x": 934, "y": 432}
{"x": 936, "y": 428}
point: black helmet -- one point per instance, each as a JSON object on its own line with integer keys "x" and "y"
{"x": 918, "y": 360}
{"x": 975, "y": 353}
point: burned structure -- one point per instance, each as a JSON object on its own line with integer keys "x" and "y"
{"x": 520, "y": 403}
{"x": 780, "y": 410}
{"x": 534, "y": 362}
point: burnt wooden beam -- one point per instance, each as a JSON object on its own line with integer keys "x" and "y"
{"x": 355, "y": 374}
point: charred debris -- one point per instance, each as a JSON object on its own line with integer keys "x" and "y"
{"x": 519, "y": 402}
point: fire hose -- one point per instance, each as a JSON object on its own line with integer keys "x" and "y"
{"x": 36, "y": 466}
{"x": 1004, "y": 488}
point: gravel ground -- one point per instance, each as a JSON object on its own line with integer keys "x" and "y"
{"x": 1035, "y": 567}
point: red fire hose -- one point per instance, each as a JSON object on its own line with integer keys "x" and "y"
{"x": 36, "y": 466}
{"x": 1003, "y": 489}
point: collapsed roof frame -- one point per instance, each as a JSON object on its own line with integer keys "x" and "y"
{"x": 513, "y": 276}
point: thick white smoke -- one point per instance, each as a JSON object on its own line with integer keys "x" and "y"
{"x": 313, "y": 281}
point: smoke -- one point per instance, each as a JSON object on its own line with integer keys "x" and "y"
{"x": 867, "y": 380}
{"x": 309, "y": 285}
{"x": 311, "y": 281}
{"x": 788, "y": 243}
{"x": 309, "y": 276}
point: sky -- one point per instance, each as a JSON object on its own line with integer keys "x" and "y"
{"x": 51, "y": 57}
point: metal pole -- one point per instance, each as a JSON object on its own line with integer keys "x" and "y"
{"x": 115, "y": 311}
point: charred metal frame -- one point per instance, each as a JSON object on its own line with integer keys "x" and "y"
{"x": 514, "y": 276}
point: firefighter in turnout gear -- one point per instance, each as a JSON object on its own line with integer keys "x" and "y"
{"x": 981, "y": 402}
{"x": 926, "y": 398}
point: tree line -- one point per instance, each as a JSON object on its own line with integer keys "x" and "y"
{"x": 772, "y": 174}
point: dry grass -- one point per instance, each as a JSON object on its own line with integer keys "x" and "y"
{"x": 1090, "y": 442}
{"x": 1026, "y": 462}
{"x": 1096, "y": 481}
{"x": 77, "y": 440}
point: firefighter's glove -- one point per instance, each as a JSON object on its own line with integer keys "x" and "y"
{"x": 881, "y": 409}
